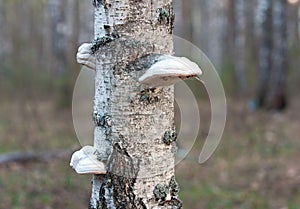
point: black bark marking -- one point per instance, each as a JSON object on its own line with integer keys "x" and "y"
{"x": 143, "y": 63}
{"x": 121, "y": 179}
{"x": 166, "y": 17}
{"x": 102, "y": 41}
{"x": 161, "y": 192}
{"x": 150, "y": 96}
{"x": 97, "y": 3}
{"x": 169, "y": 137}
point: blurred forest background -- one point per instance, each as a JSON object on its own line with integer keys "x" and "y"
{"x": 255, "y": 46}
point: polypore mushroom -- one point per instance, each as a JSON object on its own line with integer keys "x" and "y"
{"x": 168, "y": 70}
{"x": 85, "y": 161}
{"x": 86, "y": 57}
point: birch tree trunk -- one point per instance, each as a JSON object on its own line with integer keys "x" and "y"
{"x": 130, "y": 121}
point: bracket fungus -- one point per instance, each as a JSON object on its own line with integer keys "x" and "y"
{"x": 86, "y": 57}
{"x": 169, "y": 70}
{"x": 85, "y": 161}
{"x": 166, "y": 71}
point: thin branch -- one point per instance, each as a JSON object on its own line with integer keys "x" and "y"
{"x": 19, "y": 157}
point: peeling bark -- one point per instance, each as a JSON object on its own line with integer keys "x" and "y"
{"x": 131, "y": 141}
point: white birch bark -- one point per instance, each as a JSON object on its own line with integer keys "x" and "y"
{"x": 130, "y": 122}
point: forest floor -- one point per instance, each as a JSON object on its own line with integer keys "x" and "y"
{"x": 256, "y": 165}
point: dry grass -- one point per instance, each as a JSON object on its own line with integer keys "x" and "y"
{"x": 255, "y": 165}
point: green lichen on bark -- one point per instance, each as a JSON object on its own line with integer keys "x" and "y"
{"x": 174, "y": 186}
{"x": 161, "y": 192}
{"x": 166, "y": 16}
{"x": 169, "y": 137}
{"x": 163, "y": 14}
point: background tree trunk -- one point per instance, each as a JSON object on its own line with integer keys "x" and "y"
{"x": 229, "y": 39}
{"x": 240, "y": 44}
{"x": 55, "y": 9}
{"x": 265, "y": 19}
{"x": 129, "y": 137}
{"x": 86, "y": 27}
{"x": 298, "y": 40}
{"x": 250, "y": 34}
{"x": 276, "y": 98}
{"x": 2, "y": 35}
{"x": 216, "y": 29}
{"x": 183, "y": 23}
{"x": 273, "y": 55}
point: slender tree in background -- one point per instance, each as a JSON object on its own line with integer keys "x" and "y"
{"x": 240, "y": 46}
{"x": 298, "y": 40}
{"x": 2, "y": 36}
{"x": 265, "y": 48}
{"x": 86, "y": 21}
{"x": 64, "y": 31}
{"x": 276, "y": 97}
{"x": 183, "y": 24}
{"x": 131, "y": 122}
{"x": 57, "y": 35}
{"x": 216, "y": 29}
{"x": 208, "y": 26}
{"x": 273, "y": 55}
{"x": 250, "y": 34}
{"x": 228, "y": 55}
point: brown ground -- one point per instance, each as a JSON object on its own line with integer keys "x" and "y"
{"x": 255, "y": 166}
